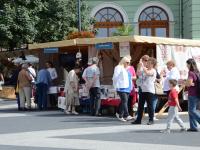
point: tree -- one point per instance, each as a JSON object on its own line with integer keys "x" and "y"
{"x": 124, "y": 30}
{"x": 18, "y": 19}
{"x": 29, "y": 21}
{"x": 86, "y": 21}
{"x": 53, "y": 21}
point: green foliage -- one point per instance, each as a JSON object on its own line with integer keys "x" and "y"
{"x": 28, "y": 21}
{"x": 17, "y": 22}
{"x": 124, "y": 30}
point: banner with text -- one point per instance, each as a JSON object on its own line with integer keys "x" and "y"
{"x": 179, "y": 54}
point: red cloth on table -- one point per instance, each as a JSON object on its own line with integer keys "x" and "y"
{"x": 110, "y": 102}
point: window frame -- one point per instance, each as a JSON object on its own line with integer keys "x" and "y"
{"x": 153, "y": 24}
{"x": 108, "y": 25}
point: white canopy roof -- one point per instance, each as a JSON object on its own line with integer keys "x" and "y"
{"x": 115, "y": 39}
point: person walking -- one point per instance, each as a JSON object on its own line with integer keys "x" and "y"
{"x": 24, "y": 83}
{"x": 193, "y": 99}
{"x": 148, "y": 91}
{"x": 174, "y": 107}
{"x": 42, "y": 84}
{"x": 132, "y": 97}
{"x": 91, "y": 76}
{"x": 71, "y": 91}
{"x": 122, "y": 82}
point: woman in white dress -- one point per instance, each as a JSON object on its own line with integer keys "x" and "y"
{"x": 71, "y": 91}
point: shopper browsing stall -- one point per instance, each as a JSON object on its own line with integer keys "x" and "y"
{"x": 71, "y": 91}
{"x": 91, "y": 76}
{"x": 43, "y": 83}
{"x": 24, "y": 82}
{"x": 52, "y": 93}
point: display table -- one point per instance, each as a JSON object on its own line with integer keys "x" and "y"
{"x": 85, "y": 103}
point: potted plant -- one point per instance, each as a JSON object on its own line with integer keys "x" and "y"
{"x": 124, "y": 30}
{"x": 80, "y": 34}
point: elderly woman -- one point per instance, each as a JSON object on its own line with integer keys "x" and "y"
{"x": 193, "y": 96}
{"x": 122, "y": 82}
{"x": 172, "y": 73}
{"x": 148, "y": 90}
{"x": 71, "y": 91}
{"x": 24, "y": 83}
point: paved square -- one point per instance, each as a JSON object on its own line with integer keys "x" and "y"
{"x": 53, "y": 130}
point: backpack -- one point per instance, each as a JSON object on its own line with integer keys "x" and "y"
{"x": 197, "y": 84}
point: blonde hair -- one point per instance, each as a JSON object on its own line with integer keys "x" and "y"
{"x": 125, "y": 59}
{"x": 145, "y": 57}
{"x": 171, "y": 63}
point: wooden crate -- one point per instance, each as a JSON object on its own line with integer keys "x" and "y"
{"x": 8, "y": 92}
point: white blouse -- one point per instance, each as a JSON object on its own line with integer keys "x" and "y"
{"x": 120, "y": 77}
{"x": 53, "y": 73}
{"x": 172, "y": 74}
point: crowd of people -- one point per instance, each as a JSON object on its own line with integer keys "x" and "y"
{"x": 125, "y": 81}
{"x": 147, "y": 75}
{"x": 30, "y": 85}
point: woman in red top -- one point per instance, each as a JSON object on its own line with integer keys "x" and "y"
{"x": 174, "y": 106}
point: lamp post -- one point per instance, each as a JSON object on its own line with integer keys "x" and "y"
{"x": 79, "y": 15}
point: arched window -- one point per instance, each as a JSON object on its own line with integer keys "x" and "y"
{"x": 154, "y": 21}
{"x": 107, "y": 20}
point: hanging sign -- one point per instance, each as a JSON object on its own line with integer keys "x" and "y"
{"x": 108, "y": 45}
{"x": 124, "y": 49}
{"x": 51, "y": 50}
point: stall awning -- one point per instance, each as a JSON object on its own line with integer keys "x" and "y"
{"x": 64, "y": 43}
{"x": 116, "y": 39}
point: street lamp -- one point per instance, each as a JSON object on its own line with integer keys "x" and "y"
{"x": 79, "y": 15}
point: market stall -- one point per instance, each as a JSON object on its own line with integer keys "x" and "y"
{"x": 110, "y": 49}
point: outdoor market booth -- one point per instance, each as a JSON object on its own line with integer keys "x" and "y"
{"x": 110, "y": 49}
{"x": 9, "y": 61}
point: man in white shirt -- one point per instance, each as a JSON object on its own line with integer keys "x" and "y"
{"x": 91, "y": 76}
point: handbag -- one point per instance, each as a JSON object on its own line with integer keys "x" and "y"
{"x": 158, "y": 88}
{"x": 17, "y": 88}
